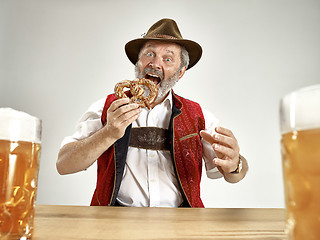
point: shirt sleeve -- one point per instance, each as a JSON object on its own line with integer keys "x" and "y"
{"x": 208, "y": 153}
{"x": 89, "y": 123}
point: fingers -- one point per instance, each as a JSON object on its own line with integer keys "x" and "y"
{"x": 122, "y": 110}
{"x": 225, "y": 146}
{"x": 207, "y": 136}
{"x": 227, "y": 141}
{"x": 127, "y": 112}
{"x": 227, "y": 152}
{"x": 120, "y": 115}
{"x": 129, "y": 116}
{"x": 222, "y": 137}
{"x": 118, "y": 103}
{"x": 224, "y": 131}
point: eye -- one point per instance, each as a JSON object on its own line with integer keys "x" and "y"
{"x": 168, "y": 59}
{"x": 149, "y": 54}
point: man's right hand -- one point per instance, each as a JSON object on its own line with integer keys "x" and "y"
{"x": 120, "y": 115}
{"x": 79, "y": 155}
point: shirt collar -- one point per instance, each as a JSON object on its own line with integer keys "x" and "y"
{"x": 166, "y": 103}
{"x": 168, "y": 100}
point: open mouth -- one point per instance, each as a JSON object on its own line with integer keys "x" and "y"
{"x": 153, "y": 77}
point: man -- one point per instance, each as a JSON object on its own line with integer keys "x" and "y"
{"x": 135, "y": 168}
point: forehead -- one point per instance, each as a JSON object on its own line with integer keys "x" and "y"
{"x": 161, "y": 45}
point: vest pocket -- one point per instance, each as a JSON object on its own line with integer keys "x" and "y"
{"x": 188, "y": 136}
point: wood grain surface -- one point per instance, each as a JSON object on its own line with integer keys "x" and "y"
{"x": 84, "y": 222}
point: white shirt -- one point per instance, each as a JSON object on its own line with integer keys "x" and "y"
{"x": 149, "y": 179}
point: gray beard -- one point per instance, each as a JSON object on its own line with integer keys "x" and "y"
{"x": 165, "y": 85}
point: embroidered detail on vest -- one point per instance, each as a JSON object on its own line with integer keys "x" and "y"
{"x": 187, "y": 119}
{"x": 188, "y": 136}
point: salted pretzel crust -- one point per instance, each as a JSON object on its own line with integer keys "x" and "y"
{"x": 138, "y": 92}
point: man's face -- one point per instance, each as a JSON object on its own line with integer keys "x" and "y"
{"x": 160, "y": 62}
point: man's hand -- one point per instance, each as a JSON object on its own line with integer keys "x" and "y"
{"x": 120, "y": 115}
{"x": 79, "y": 155}
{"x": 226, "y": 148}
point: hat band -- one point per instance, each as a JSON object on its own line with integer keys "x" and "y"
{"x": 162, "y": 36}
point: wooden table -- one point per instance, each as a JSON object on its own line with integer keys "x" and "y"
{"x": 81, "y": 222}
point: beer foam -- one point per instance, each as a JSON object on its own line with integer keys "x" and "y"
{"x": 299, "y": 109}
{"x": 19, "y": 126}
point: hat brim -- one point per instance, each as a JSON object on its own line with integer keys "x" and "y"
{"x": 133, "y": 47}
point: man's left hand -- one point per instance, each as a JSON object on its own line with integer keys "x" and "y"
{"x": 226, "y": 148}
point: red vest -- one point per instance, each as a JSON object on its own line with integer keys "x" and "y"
{"x": 186, "y": 151}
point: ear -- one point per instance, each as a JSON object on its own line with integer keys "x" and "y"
{"x": 182, "y": 71}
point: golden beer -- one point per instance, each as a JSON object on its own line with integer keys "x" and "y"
{"x": 301, "y": 168}
{"x": 19, "y": 165}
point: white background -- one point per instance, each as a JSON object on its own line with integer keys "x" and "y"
{"x": 57, "y": 57}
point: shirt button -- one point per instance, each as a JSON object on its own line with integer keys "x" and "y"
{"x": 153, "y": 180}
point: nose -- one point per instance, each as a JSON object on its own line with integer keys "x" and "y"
{"x": 155, "y": 63}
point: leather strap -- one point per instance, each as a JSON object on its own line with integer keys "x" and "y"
{"x": 152, "y": 138}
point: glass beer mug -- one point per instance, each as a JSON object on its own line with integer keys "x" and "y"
{"x": 20, "y": 136}
{"x": 300, "y": 143}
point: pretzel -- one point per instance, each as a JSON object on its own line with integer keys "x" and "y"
{"x": 137, "y": 90}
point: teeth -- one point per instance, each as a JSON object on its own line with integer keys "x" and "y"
{"x": 153, "y": 75}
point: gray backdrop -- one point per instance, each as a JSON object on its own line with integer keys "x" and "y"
{"x": 57, "y": 57}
